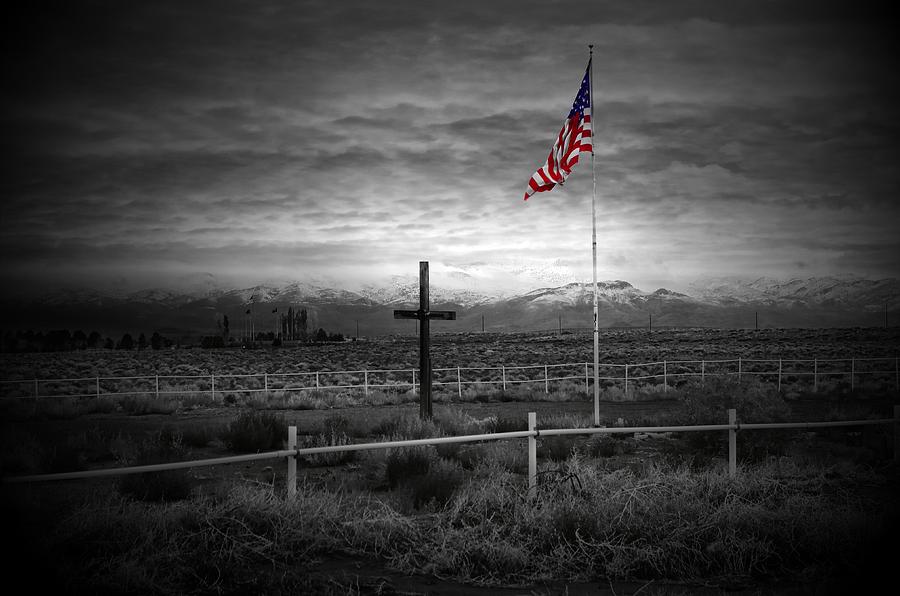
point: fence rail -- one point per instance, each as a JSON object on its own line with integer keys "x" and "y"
{"x": 667, "y": 373}
{"x": 292, "y": 453}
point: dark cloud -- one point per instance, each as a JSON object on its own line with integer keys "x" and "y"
{"x": 164, "y": 136}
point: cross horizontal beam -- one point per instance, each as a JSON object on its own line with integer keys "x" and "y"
{"x": 444, "y": 315}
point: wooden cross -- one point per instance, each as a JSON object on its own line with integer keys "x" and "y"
{"x": 424, "y": 315}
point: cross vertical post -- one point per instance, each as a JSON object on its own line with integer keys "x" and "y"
{"x": 424, "y": 316}
{"x": 424, "y": 344}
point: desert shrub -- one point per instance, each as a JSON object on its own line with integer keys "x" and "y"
{"x": 200, "y": 436}
{"x": 254, "y": 431}
{"x": 467, "y": 456}
{"x": 434, "y": 488}
{"x": 507, "y": 425}
{"x": 336, "y": 424}
{"x": 407, "y": 426}
{"x": 563, "y": 420}
{"x": 555, "y": 447}
{"x": 605, "y": 445}
{"x": 510, "y": 455}
{"x": 20, "y": 452}
{"x": 99, "y": 405}
{"x": 405, "y": 463}
{"x": 708, "y": 402}
{"x": 331, "y": 438}
{"x": 58, "y": 408}
{"x": 141, "y": 405}
{"x": 196, "y": 400}
{"x": 168, "y": 485}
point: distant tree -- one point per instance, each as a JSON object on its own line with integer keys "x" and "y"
{"x": 225, "y": 332}
{"x": 58, "y": 340}
{"x": 79, "y": 340}
{"x": 302, "y": 324}
{"x": 156, "y": 340}
{"x": 94, "y": 340}
{"x": 126, "y": 343}
{"x": 209, "y": 342}
{"x": 109, "y": 344}
{"x": 142, "y": 342}
{"x": 321, "y": 335}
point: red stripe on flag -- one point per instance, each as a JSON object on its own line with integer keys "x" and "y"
{"x": 574, "y": 138}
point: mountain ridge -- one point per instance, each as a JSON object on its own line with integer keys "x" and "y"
{"x": 714, "y": 302}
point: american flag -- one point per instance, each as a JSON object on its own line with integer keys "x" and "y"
{"x": 574, "y": 138}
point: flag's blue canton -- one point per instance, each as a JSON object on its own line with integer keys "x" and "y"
{"x": 583, "y": 99}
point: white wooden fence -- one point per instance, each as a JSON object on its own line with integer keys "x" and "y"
{"x": 532, "y": 434}
{"x": 813, "y": 372}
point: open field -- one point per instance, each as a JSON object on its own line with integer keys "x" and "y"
{"x": 474, "y": 349}
{"x": 806, "y": 513}
{"x": 798, "y": 360}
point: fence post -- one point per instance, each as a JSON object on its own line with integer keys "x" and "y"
{"x": 157, "y": 387}
{"x": 366, "y": 382}
{"x": 815, "y": 375}
{"x": 779, "y": 374}
{"x": 702, "y": 372}
{"x": 532, "y": 455}
{"x": 266, "y": 383}
{"x": 665, "y": 377}
{"x": 732, "y": 442}
{"x": 503, "y": 373}
{"x": 626, "y": 381}
{"x": 317, "y": 382}
{"x": 546, "y": 380}
{"x": 212, "y": 387}
{"x": 587, "y": 387}
{"x": 414, "y": 380}
{"x": 896, "y": 433}
{"x": 740, "y": 367}
{"x": 458, "y": 382}
{"x": 292, "y": 463}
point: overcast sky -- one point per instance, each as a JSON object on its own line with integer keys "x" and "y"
{"x": 186, "y": 143}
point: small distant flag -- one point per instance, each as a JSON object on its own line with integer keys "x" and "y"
{"x": 574, "y": 138}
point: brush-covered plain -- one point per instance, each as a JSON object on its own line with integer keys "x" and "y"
{"x": 807, "y": 510}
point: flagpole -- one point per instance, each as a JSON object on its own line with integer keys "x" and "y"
{"x": 594, "y": 247}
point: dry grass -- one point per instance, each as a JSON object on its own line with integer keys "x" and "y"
{"x": 785, "y": 519}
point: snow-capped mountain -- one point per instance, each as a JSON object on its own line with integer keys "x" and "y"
{"x": 404, "y": 290}
{"x": 820, "y": 291}
{"x": 576, "y": 294}
{"x": 729, "y": 303}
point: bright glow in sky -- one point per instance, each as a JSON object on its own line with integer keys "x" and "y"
{"x": 179, "y": 144}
